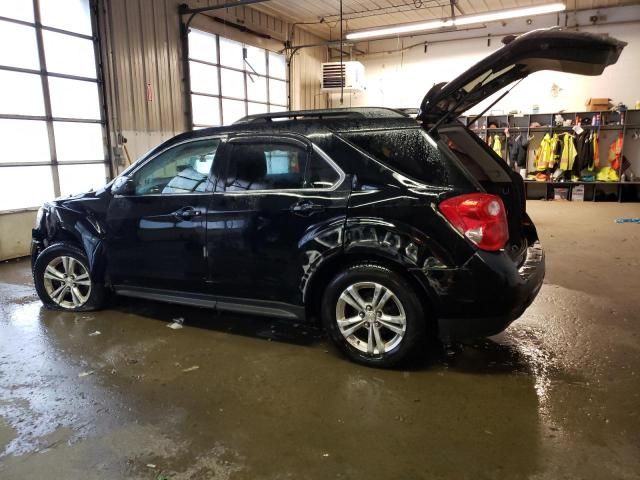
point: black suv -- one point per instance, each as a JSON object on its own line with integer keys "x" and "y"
{"x": 386, "y": 229}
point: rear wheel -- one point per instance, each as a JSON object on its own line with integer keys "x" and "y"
{"x": 373, "y": 315}
{"x": 62, "y": 279}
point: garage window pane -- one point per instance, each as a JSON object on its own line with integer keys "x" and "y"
{"x": 71, "y": 15}
{"x": 23, "y": 141}
{"x": 74, "y": 98}
{"x": 276, "y": 109}
{"x": 257, "y": 88}
{"x": 232, "y": 110}
{"x": 78, "y": 141}
{"x": 204, "y": 78}
{"x": 21, "y": 93}
{"x": 76, "y": 179}
{"x": 256, "y": 108}
{"x": 18, "y": 9}
{"x": 25, "y": 187}
{"x": 232, "y": 83}
{"x": 231, "y": 53}
{"x": 206, "y": 110}
{"x": 70, "y": 55}
{"x": 277, "y": 66}
{"x": 257, "y": 58}
{"x": 19, "y": 46}
{"x": 202, "y": 46}
{"x": 277, "y": 92}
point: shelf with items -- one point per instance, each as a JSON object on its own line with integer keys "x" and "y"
{"x": 621, "y": 129}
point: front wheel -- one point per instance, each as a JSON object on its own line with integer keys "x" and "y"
{"x": 373, "y": 315}
{"x": 62, "y": 279}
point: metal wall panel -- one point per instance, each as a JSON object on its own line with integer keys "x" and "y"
{"x": 306, "y": 70}
{"x": 143, "y": 65}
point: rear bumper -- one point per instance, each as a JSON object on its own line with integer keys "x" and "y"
{"x": 496, "y": 293}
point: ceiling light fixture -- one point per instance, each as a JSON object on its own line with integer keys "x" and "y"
{"x": 463, "y": 20}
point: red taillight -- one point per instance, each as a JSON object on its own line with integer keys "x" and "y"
{"x": 480, "y": 217}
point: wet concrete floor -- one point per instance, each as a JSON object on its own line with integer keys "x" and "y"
{"x": 555, "y": 396}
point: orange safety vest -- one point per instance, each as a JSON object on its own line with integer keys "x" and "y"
{"x": 615, "y": 152}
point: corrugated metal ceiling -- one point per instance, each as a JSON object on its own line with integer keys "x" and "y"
{"x": 360, "y": 14}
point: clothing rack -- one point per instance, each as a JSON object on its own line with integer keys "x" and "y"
{"x": 610, "y": 121}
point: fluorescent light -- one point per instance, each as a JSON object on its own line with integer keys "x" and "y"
{"x": 408, "y": 28}
{"x": 507, "y": 14}
{"x": 464, "y": 20}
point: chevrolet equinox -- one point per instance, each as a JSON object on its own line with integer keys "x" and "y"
{"x": 384, "y": 228}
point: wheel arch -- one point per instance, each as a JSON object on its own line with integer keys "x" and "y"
{"x": 78, "y": 229}
{"x": 337, "y": 263}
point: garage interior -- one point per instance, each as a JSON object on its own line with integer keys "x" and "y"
{"x": 87, "y": 87}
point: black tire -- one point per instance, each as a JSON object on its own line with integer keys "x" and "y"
{"x": 95, "y": 291}
{"x": 360, "y": 276}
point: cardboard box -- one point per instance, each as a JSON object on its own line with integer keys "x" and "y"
{"x": 560, "y": 193}
{"x": 577, "y": 193}
{"x": 597, "y": 105}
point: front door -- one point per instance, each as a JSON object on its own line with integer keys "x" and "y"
{"x": 279, "y": 192}
{"x": 156, "y": 234}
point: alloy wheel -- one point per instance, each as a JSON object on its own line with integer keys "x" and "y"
{"x": 67, "y": 282}
{"x": 371, "y": 317}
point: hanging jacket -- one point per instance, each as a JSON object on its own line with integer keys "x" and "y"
{"x": 531, "y": 157}
{"x": 584, "y": 157}
{"x": 545, "y": 154}
{"x": 595, "y": 140}
{"x": 568, "y": 152}
{"x": 556, "y": 151}
{"x": 518, "y": 151}
{"x": 615, "y": 152}
{"x": 497, "y": 145}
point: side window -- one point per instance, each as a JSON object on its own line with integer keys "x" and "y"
{"x": 265, "y": 166}
{"x": 182, "y": 169}
{"x": 406, "y": 150}
{"x": 320, "y": 174}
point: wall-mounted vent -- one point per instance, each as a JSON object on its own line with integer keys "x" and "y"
{"x": 349, "y": 75}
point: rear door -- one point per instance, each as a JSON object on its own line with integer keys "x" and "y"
{"x": 279, "y": 191}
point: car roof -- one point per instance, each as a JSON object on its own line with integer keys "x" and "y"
{"x": 325, "y": 114}
{"x": 312, "y": 121}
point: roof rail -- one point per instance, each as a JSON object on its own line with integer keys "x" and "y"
{"x": 319, "y": 114}
{"x": 329, "y": 113}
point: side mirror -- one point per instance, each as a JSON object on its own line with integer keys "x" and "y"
{"x": 123, "y": 185}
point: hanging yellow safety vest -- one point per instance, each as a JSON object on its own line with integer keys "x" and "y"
{"x": 544, "y": 154}
{"x": 497, "y": 145}
{"x": 568, "y": 152}
{"x": 554, "y": 157}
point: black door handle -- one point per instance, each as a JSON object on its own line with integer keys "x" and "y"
{"x": 306, "y": 207}
{"x": 187, "y": 213}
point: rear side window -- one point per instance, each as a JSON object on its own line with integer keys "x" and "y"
{"x": 265, "y": 166}
{"x": 407, "y": 151}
